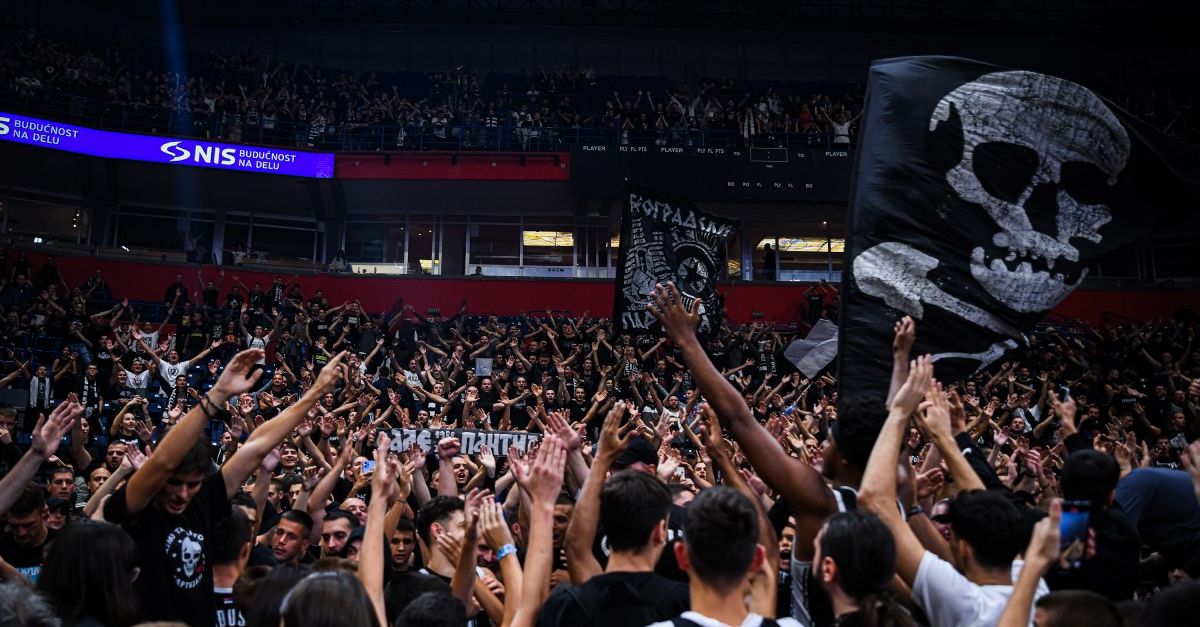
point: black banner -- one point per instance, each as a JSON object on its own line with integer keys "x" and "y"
{"x": 981, "y": 196}
{"x": 470, "y": 439}
{"x": 796, "y": 173}
{"x": 667, "y": 239}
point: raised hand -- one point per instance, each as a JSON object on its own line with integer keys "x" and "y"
{"x": 929, "y": 482}
{"x": 134, "y": 457}
{"x": 329, "y": 375}
{"x": 1065, "y": 410}
{"x": 557, "y": 423}
{"x": 383, "y": 480}
{"x": 543, "y": 478}
{"x": 667, "y": 305}
{"x": 487, "y": 460}
{"x": 492, "y": 525}
{"x": 417, "y": 456}
{"x": 935, "y": 412}
{"x": 906, "y": 333}
{"x": 448, "y": 448}
{"x": 48, "y": 432}
{"x": 271, "y": 460}
{"x": 472, "y": 504}
{"x": 237, "y": 376}
{"x": 312, "y": 476}
{"x": 613, "y": 437}
{"x": 144, "y": 430}
{"x": 908, "y": 397}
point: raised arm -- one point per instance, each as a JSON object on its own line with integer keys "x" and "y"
{"x": 47, "y": 433}
{"x": 543, "y": 482}
{"x": 581, "y": 532}
{"x": 877, "y": 492}
{"x": 371, "y": 562}
{"x": 273, "y": 431}
{"x": 239, "y": 376}
{"x": 800, "y": 485}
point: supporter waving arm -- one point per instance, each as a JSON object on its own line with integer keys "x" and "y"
{"x": 238, "y": 376}
{"x": 273, "y": 431}
{"x": 542, "y": 481}
{"x": 581, "y": 532}
{"x": 46, "y": 435}
{"x": 877, "y": 492}
{"x": 800, "y": 485}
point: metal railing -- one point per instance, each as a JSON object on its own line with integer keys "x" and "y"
{"x": 505, "y": 135}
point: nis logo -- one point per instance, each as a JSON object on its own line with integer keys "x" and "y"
{"x": 199, "y": 153}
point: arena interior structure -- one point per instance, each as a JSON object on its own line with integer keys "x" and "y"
{"x": 438, "y": 140}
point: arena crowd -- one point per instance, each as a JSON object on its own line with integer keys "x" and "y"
{"x": 266, "y": 457}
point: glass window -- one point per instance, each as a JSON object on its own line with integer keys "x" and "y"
{"x": 364, "y": 242}
{"x": 136, "y": 231}
{"x": 495, "y": 244}
{"x": 548, "y": 248}
{"x": 46, "y": 220}
{"x": 421, "y": 259}
{"x": 279, "y": 244}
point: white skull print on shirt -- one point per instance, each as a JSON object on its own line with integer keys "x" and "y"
{"x": 185, "y": 554}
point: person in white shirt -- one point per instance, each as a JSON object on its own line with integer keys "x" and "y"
{"x": 172, "y": 367}
{"x": 967, "y": 582}
{"x": 721, "y": 553}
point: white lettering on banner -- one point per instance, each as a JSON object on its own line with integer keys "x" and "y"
{"x": 4, "y": 125}
{"x": 44, "y": 128}
{"x": 470, "y": 439}
{"x": 268, "y": 155}
{"x": 664, "y": 212}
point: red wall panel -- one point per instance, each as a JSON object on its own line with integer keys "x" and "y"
{"x": 778, "y": 302}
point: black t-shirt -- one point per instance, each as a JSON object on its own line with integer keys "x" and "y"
{"x": 228, "y": 615}
{"x": 615, "y": 599}
{"x": 27, "y": 560}
{"x": 176, "y": 578}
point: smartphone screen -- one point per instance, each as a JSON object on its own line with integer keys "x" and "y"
{"x": 368, "y": 467}
{"x": 1073, "y": 534}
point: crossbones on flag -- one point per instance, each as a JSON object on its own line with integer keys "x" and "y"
{"x": 667, "y": 239}
{"x": 981, "y": 195}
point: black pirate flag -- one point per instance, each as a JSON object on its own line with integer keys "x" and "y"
{"x": 981, "y": 195}
{"x": 667, "y": 239}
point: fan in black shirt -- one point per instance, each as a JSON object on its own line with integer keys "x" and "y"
{"x": 172, "y": 503}
{"x": 633, "y": 509}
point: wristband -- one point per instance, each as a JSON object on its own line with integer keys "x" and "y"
{"x": 915, "y": 510}
{"x": 505, "y": 551}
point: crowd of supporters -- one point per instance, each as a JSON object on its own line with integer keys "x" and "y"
{"x": 253, "y": 98}
{"x": 263, "y": 456}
